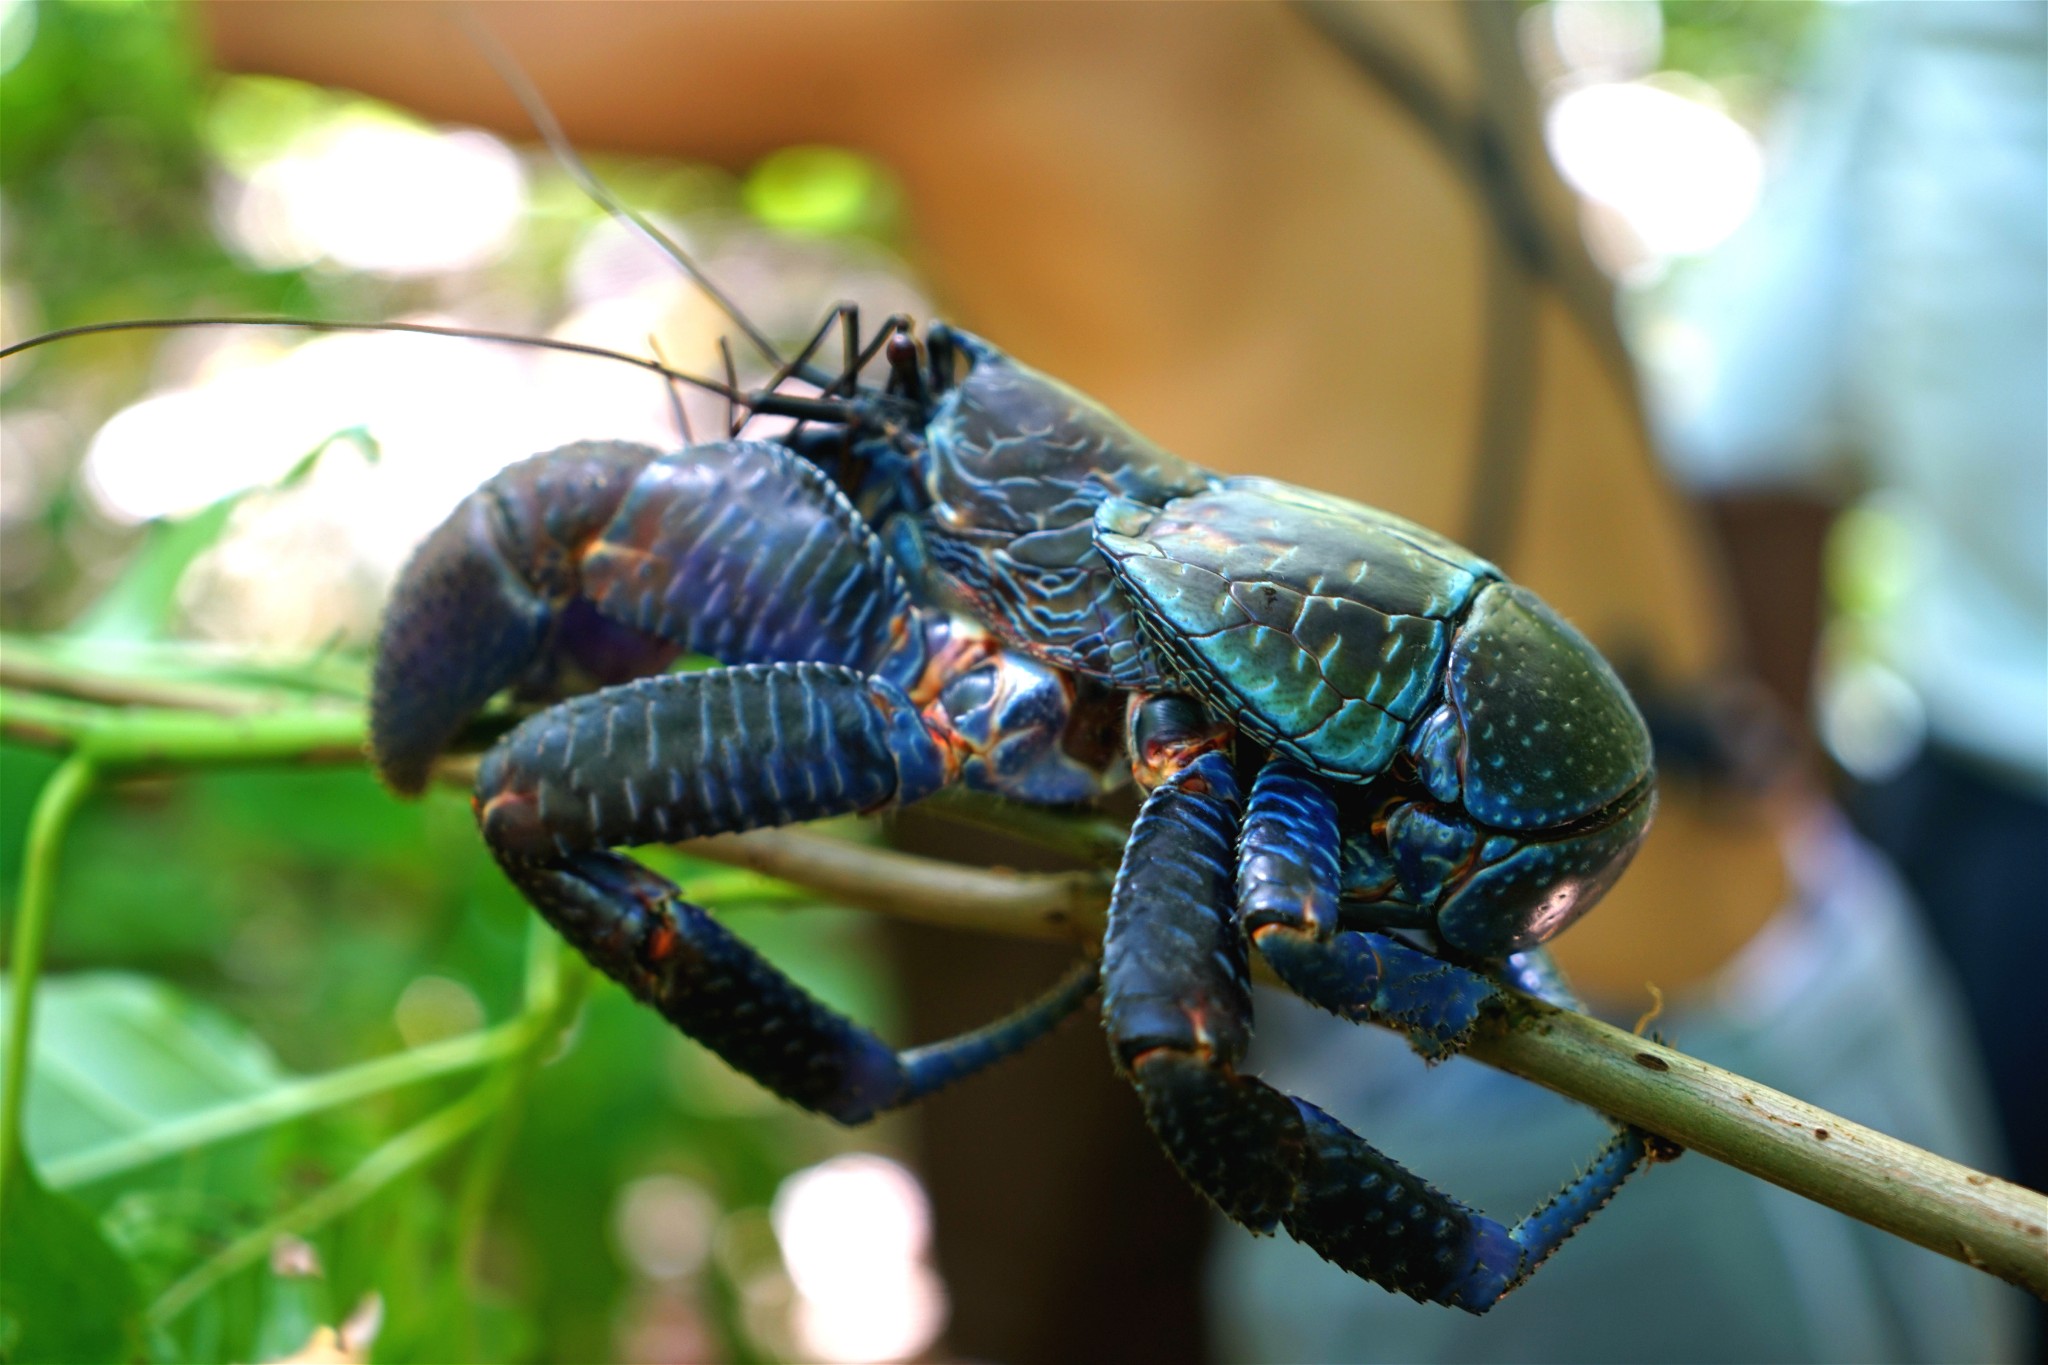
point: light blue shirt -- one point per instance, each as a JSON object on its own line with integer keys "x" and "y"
{"x": 1881, "y": 325}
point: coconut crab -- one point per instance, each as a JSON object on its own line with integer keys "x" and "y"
{"x": 970, "y": 574}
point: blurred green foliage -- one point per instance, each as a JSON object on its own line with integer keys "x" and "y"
{"x": 1755, "y": 45}
{"x": 104, "y": 169}
{"x": 222, "y": 938}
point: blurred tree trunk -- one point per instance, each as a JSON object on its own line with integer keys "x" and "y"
{"x": 1063, "y": 1233}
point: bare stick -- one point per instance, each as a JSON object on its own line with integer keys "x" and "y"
{"x": 1067, "y": 906}
{"x": 1978, "y": 1219}
{"x": 1973, "y": 1217}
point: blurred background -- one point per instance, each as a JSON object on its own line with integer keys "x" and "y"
{"x": 1392, "y": 251}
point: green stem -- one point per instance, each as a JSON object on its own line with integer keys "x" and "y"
{"x": 58, "y": 802}
{"x": 293, "y": 1101}
{"x": 554, "y": 991}
{"x": 185, "y": 674}
{"x": 407, "y": 1152}
{"x": 147, "y": 737}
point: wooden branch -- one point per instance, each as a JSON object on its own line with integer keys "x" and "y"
{"x": 1068, "y": 906}
{"x": 1992, "y": 1224}
{"x": 1978, "y": 1219}
{"x": 1975, "y": 1218}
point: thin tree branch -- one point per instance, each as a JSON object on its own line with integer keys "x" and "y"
{"x": 1975, "y": 1218}
{"x": 397, "y": 1158}
{"x": 1067, "y": 906}
{"x": 294, "y": 1100}
{"x": 1943, "y": 1205}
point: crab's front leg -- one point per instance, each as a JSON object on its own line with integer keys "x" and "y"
{"x": 685, "y": 755}
{"x": 602, "y": 560}
{"x": 1178, "y": 1008}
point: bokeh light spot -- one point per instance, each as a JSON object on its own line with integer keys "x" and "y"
{"x": 855, "y": 1232}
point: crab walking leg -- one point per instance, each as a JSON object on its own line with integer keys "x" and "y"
{"x": 685, "y": 755}
{"x": 1535, "y": 971}
{"x": 1287, "y": 885}
{"x": 1178, "y": 1007}
{"x": 1288, "y": 882}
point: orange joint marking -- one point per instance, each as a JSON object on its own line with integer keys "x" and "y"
{"x": 1162, "y": 760}
{"x": 1138, "y": 1062}
{"x": 965, "y": 649}
{"x": 485, "y": 809}
{"x": 620, "y": 560}
{"x": 953, "y": 745}
{"x": 899, "y": 633}
{"x": 661, "y": 943}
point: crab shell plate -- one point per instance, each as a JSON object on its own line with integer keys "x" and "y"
{"x": 1340, "y": 636}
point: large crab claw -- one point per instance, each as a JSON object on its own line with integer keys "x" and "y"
{"x": 602, "y": 561}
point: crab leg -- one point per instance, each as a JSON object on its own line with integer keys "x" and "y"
{"x": 1535, "y": 971}
{"x": 1178, "y": 1007}
{"x": 1287, "y": 884}
{"x": 602, "y": 561}
{"x": 684, "y": 755}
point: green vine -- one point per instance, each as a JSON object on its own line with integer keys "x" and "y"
{"x": 61, "y": 798}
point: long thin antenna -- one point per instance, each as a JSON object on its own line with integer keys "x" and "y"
{"x": 675, "y": 396}
{"x": 726, "y": 391}
{"x": 550, "y": 129}
{"x": 732, "y": 384}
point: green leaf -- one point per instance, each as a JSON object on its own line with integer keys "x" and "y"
{"x": 116, "y": 1054}
{"x": 65, "y": 1295}
{"x": 143, "y": 599}
{"x": 139, "y": 605}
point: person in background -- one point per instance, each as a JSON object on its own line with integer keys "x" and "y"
{"x": 1217, "y": 222}
{"x": 1879, "y": 331}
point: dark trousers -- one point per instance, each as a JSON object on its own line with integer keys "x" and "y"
{"x": 1975, "y": 851}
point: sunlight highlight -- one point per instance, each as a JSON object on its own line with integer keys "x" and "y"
{"x": 1680, "y": 174}
{"x": 855, "y": 1234}
{"x": 383, "y": 197}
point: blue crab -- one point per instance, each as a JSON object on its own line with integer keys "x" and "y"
{"x": 972, "y": 575}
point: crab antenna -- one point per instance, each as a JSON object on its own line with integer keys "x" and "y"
{"x": 729, "y": 392}
{"x": 550, "y": 130}
{"x": 732, "y": 386}
{"x": 800, "y": 363}
{"x": 675, "y": 396}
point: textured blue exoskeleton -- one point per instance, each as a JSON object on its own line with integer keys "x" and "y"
{"x": 970, "y": 574}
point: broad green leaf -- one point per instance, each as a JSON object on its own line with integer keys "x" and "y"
{"x": 144, "y": 598}
{"x": 139, "y": 604}
{"x": 115, "y": 1055}
{"x": 65, "y": 1295}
